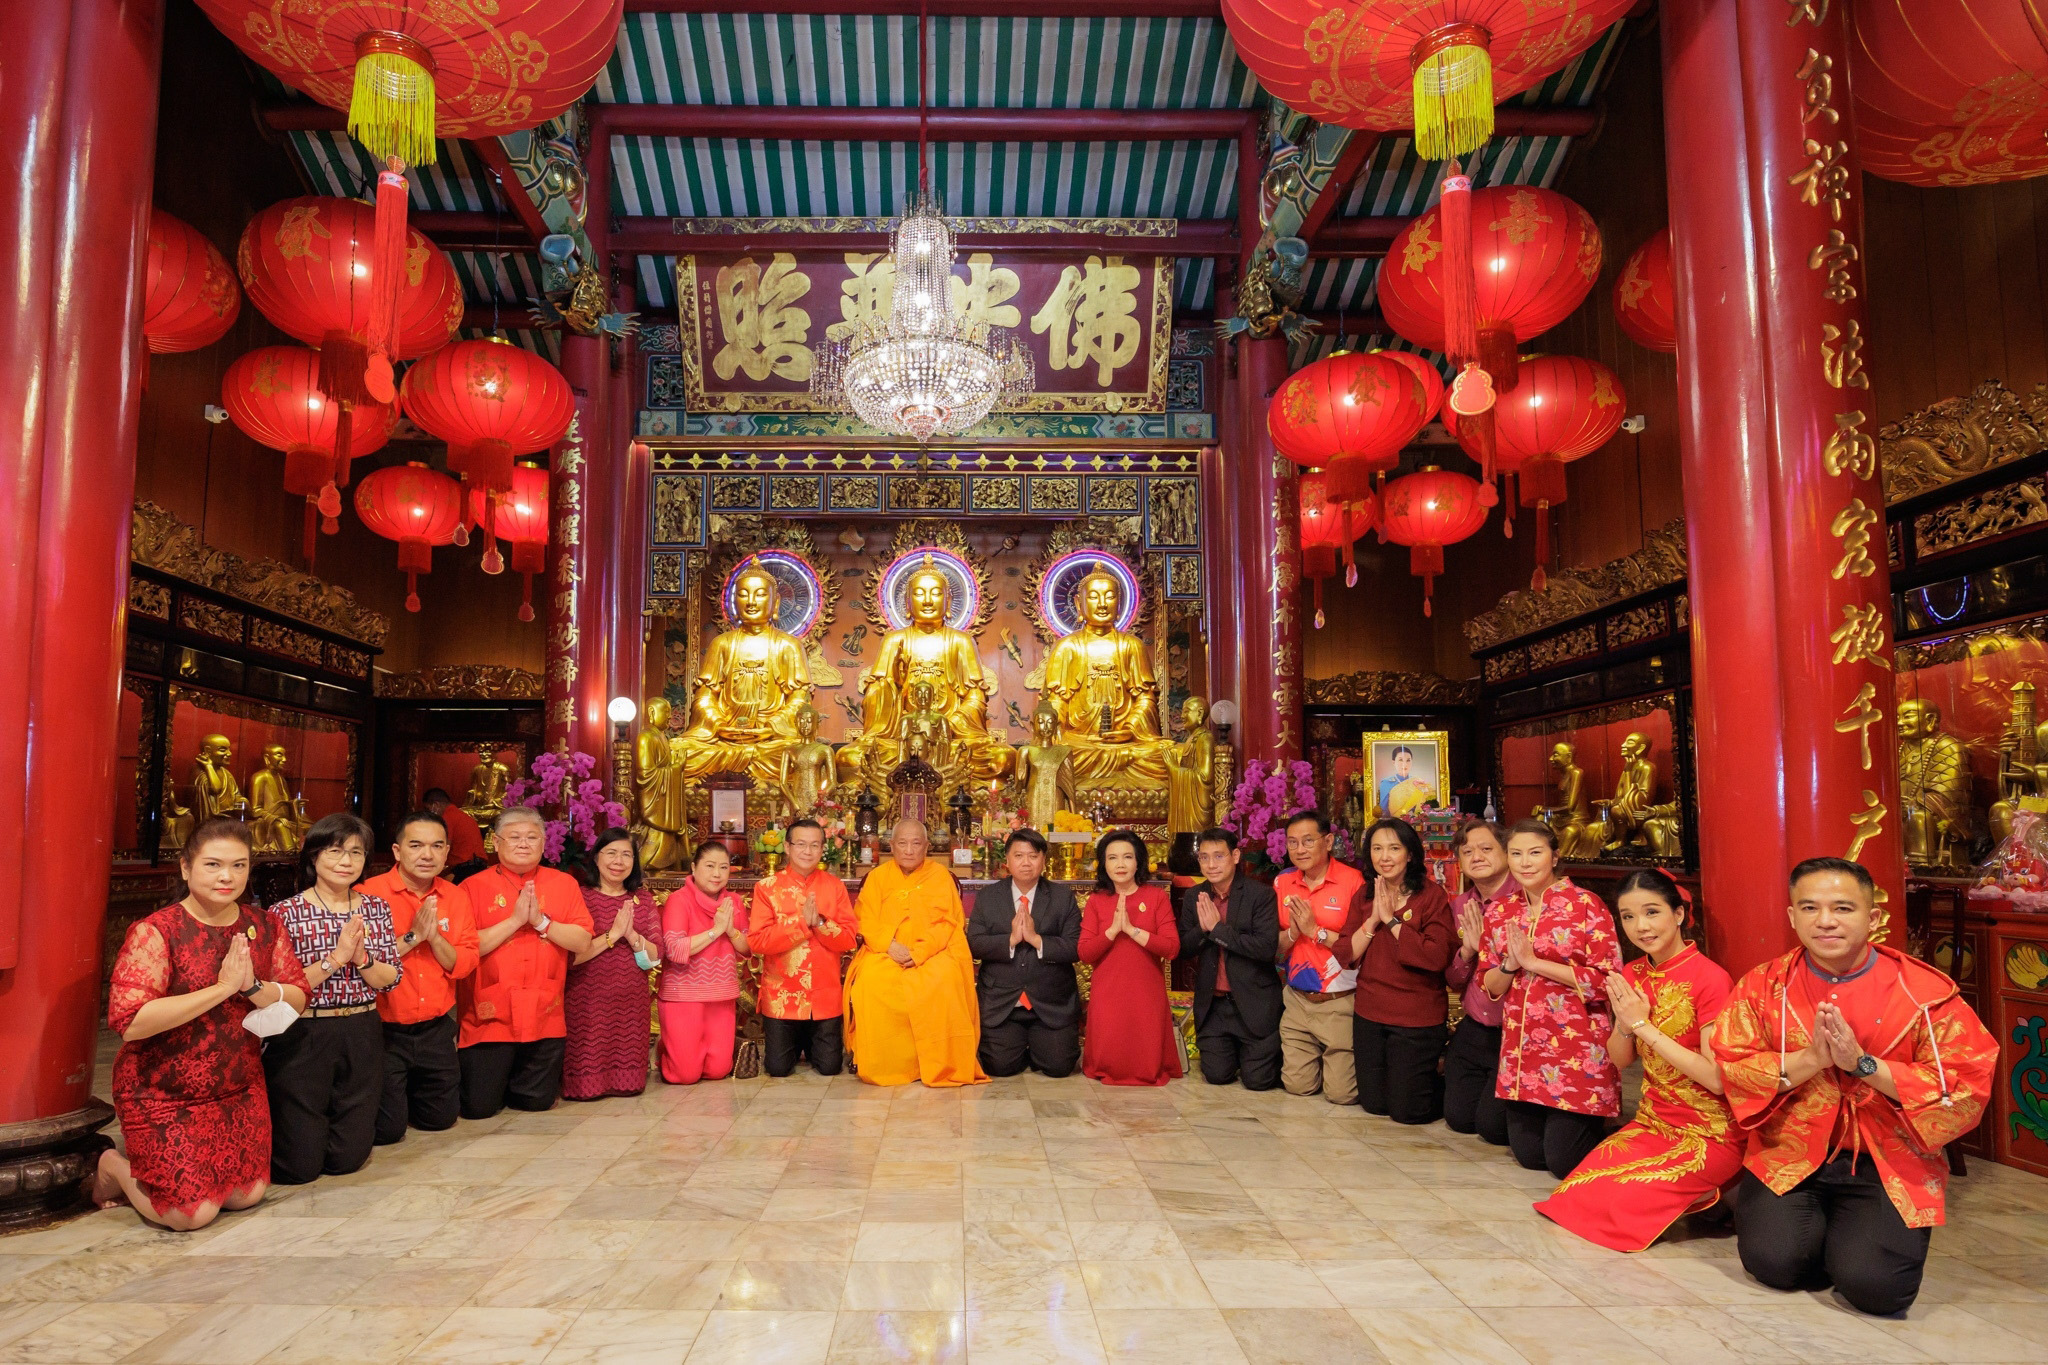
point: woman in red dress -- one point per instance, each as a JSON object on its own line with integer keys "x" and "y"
{"x": 605, "y": 1002}
{"x": 188, "y": 1081}
{"x": 1127, "y": 930}
{"x": 703, "y": 932}
{"x": 1682, "y": 1146}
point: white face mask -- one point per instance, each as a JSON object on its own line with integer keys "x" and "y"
{"x": 271, "y": 1020}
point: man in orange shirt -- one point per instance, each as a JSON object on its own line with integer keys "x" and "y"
{"x": 530, "y": 921}
{"x": 465, "y": 840}
{"x": 1320, "y": 909}
{"x": 436, "y": 947}
{"x": 800, "y": 925}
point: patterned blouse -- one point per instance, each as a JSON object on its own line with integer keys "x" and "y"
{"x": 314, "y": 928}
{"x": 1553, "y": 1042}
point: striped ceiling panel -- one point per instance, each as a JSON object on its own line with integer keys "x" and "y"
{"x": 457, "y": 181}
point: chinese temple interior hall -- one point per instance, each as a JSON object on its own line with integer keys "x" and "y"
{"x": 1125, "y": 505}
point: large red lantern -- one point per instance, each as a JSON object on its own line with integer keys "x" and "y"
{"x": 190, "y": 299}
{"x": 1426, "y": 511}
{"x": 1644, "y": 303}
{"x": 1348, "y": 414}
{"x": 1564, "y": 409}
{"x": 272, "y": 398}
{"x": 1949, "y": 92}
{"x": 416, "y": 506}
{"x": 1425, "y": 373}
{"x": 521, "y": 517}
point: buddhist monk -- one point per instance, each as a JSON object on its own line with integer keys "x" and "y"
{"x": 910, "y": 1008}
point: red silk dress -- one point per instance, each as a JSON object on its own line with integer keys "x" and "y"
{"x": 194, "y": 1110}
{"x": 1553, "y": 1041}
{"x": 1681, "y": 1147}
{"x": 1130, "y": 1029}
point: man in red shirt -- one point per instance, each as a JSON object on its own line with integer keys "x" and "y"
{"x": 530, "y": 922}
{"x": 465, "y": 840}
{"x": 1320, "y": 910}
{"x": 436, "y": 947}
{"x": 801, "y": 925}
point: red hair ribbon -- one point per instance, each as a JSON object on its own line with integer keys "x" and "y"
{"x": 1683, "y": 894}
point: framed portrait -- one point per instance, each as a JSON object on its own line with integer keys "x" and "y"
{"x": 1406, "y": 771}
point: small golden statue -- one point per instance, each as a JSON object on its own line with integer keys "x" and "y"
{"x": 485, "y": 799}
{"x": 754, "y": 679}
{"x": 1191, "y": 772}
{"x": 214, "y": 789}
{"x": 1354, "y": 806}
{"x": 1579, "y": 836}
{"x": 278, "y": 820}
{"x": 1100, "y": 680}
{"x": 922, "y": 731}
{"x": 807, "y": 768}
{"x": 1045, "y": 770}
{"x": 663, "y": 830}
{"x": 176, "y": 827}
{"x": 1934, "y": 789}
{"x": 1635, "y": 820}
{"x": 2021, "y": 773}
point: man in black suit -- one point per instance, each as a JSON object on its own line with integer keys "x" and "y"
{"x": 1026, "y": 933}
{"x": 1231, "y": 927}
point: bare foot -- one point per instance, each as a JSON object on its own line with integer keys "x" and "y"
{"x": 106, "y": 1190}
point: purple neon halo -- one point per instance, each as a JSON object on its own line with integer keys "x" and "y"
{"x": 782, "y": 557}
{"x": 1047, "y": 586}
{"x": 965, "y": 607}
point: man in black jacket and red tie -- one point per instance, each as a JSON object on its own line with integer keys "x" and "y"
{"x": 1230, "y": 925}
{"x": 1026, "y": 934}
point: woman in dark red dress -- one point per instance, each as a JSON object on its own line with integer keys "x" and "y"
{"x": 1127, "y": 930}
{"x": 606, "y": 1004}
{"x": 188, "y": 1082}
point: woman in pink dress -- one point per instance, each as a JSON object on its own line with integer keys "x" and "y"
{"x": 1127, "y": 930}
{"x": 605, "y": 1003}
{"x": 703, "y": 931}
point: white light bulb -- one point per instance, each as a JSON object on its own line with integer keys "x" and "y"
{"x": 359, "y": 269}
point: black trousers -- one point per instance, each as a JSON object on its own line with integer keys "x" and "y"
{"x": 1554, "y": 1140}
{"x": 324, "y": 1076}
{"x": 1471, "y": 1066}
{"x": 422, "y": 1079}
{"x": 1021, "y": 1039}
{"x": 1397, "y": 1070}
{"x": 1230, "y": 1050}
{"x": 784, "y": 1041}
{"x": 1836, "y": 1226}
{"x": 523, "y": 1075}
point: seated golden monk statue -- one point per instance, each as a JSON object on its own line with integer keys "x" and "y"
{"x": 277, "y": 821}
{"x": 485, "y": 799}
{"x": 1635, "y": 820}
{"x": 1934, "y": 789}
{"x": 926, "y": 650}
{"x": 1100, "y": 681}
{"x": 1579, "y": 836}
{"x": 754, "y": 681}
{"x": 214, "y": 789}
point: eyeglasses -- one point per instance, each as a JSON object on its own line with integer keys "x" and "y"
{"x": 1305, "y": 845}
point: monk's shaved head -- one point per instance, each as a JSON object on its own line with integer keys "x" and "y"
{"x": 917, "y": 826}
{"x": 908, "y": 840}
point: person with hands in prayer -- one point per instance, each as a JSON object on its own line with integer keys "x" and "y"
{"x": 1230, "y": 926}
{"x": 1402, "y": 949}
{"x": 801, "y": 924}
{"x": 701, "y": 937}
{"x": 604, "y": 1002}
{"x": 1320, "y": 910}
{"x": 1472, "y": 1062}
{"x": 911, "y": 1013}
{"x": 1127, "y": 932}
{"x": 1026, "y": 933}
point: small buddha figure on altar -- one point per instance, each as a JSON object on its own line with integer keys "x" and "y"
{"x": 1045, "y": 770}
{"x": 1578, "y": 835}
{"x": 176, "y": 826}
{"x": 2021, "y": 772}
{"x": 658, "y": 780}
{"x": 485, "y": 799}
{"x": 1100, "y": 680}
{"x": 926, "y": 649}
{"x": 214, "y": 789}
{"x": 807, "y": 768}
{"x": 922, "y": 731}
{"x": 1934, "y": 789}
{"x": 277, "y": 822}
{"x": 1191, "y": 772}
{"x": 754, "y": 680}
{"x": 1635, "y": 820}
{"x": 1354, "y": 805}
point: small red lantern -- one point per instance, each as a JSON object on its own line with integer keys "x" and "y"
{"x": 1348, "y": 414}
{"x": 1564, "y": 409}
{"x": 271, "y": 395}
{"x": 1644, "y": 301}
{"x": 1324, "y": 527}
{"x": 521, "y": 517}
{"x": 416, "y": 506}
{"x": 191, "y": 299}
{"x": 1426, "y": 511}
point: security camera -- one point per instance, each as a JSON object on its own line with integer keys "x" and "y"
{"x": 215, "y": 413}
{"x": 1634, "y": 425}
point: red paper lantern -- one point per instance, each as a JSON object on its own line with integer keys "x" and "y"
{"x": 1644, "y": 303}
{"x": 1425, "y": 372}
{"x": 1948, "y": 92}
{"x": 271, "y": 396}
{"x": 521, "y": 517}
{"x": 416, "y": 506}
{"x": 190, "y": 300}
{"x": 1426, "y": 511}
{"x": 1564, "y": 409}
{"x": 1348, "y": 414}
{"x": 1325, "y": 526}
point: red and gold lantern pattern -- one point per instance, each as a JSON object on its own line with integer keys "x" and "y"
{"x": 416, "y": 506}
{"x": 1348, "y": 414}
{"x": 521, "y": 518}
{"x": 1949, "y": 92}
{"x": 1644, "y": 303}
{"x": 1426, "y": 511}
{"x": 271, "y": 396}
{"x": 190, "y": 299}
{"x": 1564, "y": 409}
{"x": 1325, "y": 526}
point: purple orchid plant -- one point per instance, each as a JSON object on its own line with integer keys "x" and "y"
{"x": 571, "y": 801}
{"x": 1266, "y": 795}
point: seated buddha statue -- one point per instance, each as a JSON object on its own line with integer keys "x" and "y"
{"x": 754, "y": 681}
{"x": 927, "y": 650}
{"x": 485, "y": 799}
{"x": 214, "y": 789}
{"x": 1100, "y": 681}
{"x": 277, "y": 821}
{"x": 1634, "y": 818}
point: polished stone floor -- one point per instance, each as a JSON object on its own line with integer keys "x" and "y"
{"x": 1027, "y": 1220}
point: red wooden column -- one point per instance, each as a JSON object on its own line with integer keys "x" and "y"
{"x": 1791, "y": 614}
{"x": 579, "y": 610}
{"x": 79, "y": 113}
{"x": 1265, "y": 568}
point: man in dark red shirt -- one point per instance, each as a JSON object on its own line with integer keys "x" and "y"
{"x": 465, "y": 838}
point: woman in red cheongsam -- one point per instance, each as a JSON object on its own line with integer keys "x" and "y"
{"x": 1127, "y": 930}
{"x": 1547, "y": 960}
{"x": 188, "y": 1081}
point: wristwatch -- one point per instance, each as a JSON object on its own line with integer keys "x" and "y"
{"x": 251, "y": 992}
{"x": 1866, "y": 1065}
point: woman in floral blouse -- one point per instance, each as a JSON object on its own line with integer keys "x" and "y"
{"x": 1547, "y": 961}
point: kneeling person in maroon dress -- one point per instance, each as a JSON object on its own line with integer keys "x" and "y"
{"x": 1127, "y": 930}
{"x": 1399, "y": 1028}
{"x": 188, "y": 1082}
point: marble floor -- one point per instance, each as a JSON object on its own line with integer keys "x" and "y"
{"x": 1027, "y": 1220}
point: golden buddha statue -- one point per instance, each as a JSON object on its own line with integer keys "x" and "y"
{"x": 658, "y": 781}
{"x": 1635, "y": 820}
{"x": 2020, "y": 770}
{"x": 926, "y": 649}
{"x": 214, "y": 789}
{"x": 807, "y": 768}
{"x": 277, "y": 821}
{"x": 1100, "y": 681}
{"x": 1045, "y": 770}
{"x": 1191, "y": 773}
{"x": 485, "y": 799}
{"x": 1579, "y": 836}
{"x": 922, "y": 731}
{"x": 175, "y": 830}
{"x": 754, "y": 680}
{"x": 1934, "y": 789}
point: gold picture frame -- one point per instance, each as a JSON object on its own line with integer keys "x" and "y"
{"x": 1387, "y": 783}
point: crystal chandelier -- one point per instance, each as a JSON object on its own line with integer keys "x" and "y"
{"x": 932, "y": 367}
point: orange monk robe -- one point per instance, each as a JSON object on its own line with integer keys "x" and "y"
{"x": 922, "y": 1022}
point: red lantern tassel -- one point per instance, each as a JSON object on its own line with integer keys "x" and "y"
{"x": 528, "y": 559}
{"x": 493, "y": 562}
{"x": 1499, "y": 358}
{"x": 311, "y": 536}
{"x": 415, "y": 557}
{"x": 387, "y": 268}
{"x": 1539, "y": 580}
{"x": 1426, "y": 562}
{"x": 1461, "y": 286}
{"x": 342, "y": 361}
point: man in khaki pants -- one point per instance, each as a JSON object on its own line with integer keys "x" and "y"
{"x": 1320, "y": 909}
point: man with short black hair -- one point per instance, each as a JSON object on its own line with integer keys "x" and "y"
{"x": 801, "y": 924}
{"x": 1026, "y": 933}
{"x": 1321, "y": 908}
{"x": 1851, "y": 1065}
{"x": 1230, "y": 926}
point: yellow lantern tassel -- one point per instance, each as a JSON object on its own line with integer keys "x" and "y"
{"x": 391, "y": 111}
{"x": 1453, "y": 90}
